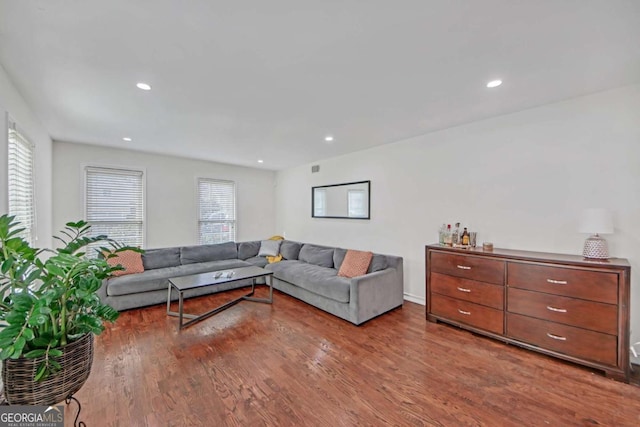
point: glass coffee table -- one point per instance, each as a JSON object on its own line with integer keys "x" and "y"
{"x": 215, "y": 278}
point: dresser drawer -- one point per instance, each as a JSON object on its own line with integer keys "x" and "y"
{"x": 469, "y": 313}
{"x": 568, "y": 340}
{"x": 469, "y": 267}
{"x": 591, "y": 285}
{"x": 468, "y": 290}
{"x": 570, "y": 311}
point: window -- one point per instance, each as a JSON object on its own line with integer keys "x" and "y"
{"x": 21, "y": 183}
{"x": 114, "y": 204}
{"x": 357, "y": 203}
{"x": 320, "y": 202}
{"x": 216, "y": 211}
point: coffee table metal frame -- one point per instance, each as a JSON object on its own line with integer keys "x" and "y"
{"x": 181, "y": 315}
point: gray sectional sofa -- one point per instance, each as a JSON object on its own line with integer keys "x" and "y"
{"x": 307, "y": 272}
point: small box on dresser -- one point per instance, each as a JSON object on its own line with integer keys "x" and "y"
{"x": 560, "y": 305}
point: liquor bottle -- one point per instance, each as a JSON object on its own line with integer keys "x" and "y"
{"x": 448, "y": 236}
{"x": 456, "y": 235}
{"x": 465, "y": 237}
{"x": 441, "y": 233}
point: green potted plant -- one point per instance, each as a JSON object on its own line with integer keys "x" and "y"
{"x": 49, "y": 311}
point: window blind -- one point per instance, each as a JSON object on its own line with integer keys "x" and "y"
{"x": 114, "y": 204}
{"x": 319, "y": 202}
{"x": 357, "y": 203}
{"x": 21, "y": 183}
{"x": 216, "y": 211}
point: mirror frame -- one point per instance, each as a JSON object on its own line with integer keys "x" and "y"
{"x": 313, "y": 210}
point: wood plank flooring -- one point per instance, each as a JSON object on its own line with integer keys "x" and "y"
{"x": 289, "y": 364}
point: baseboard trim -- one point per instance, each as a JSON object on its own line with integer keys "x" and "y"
{"x": 415, "y": 298}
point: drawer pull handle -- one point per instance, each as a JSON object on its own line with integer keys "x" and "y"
{"x": 464, "y": 267}
{"x": 556, "y": 337}
{"x": 466, "y": 313}
{"x": 557, "y": 310}
{"x": 463, "y": 289}
{"x": 557, "y": 282}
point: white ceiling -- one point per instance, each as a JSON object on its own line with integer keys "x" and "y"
{"x": 237, "y": 81}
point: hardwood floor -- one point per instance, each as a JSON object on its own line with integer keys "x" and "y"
{"x": 289, "y": 364}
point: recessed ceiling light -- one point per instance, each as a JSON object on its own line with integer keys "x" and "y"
{"x": 328, "y": 138}
{"x": 260, "y": 161}
{"x": 494, "y": 83}
{"x": 143, "y": 86}
{"x": 126, "y": 138}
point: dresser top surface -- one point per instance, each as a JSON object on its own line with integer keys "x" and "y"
{"x": 537, "y": 256}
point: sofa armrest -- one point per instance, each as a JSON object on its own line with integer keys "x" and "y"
{"x": 102, "y": 291}
{"x": 376, "y": 293}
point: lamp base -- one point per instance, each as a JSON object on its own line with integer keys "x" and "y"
{"x": 595, "y": 247}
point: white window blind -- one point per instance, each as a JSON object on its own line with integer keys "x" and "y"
{"x": 21, "y": 183}
{"x": 114, "y": 204}
{"x": 319, "y": 202}
{"x": 357, "y": 203}
{"x": 216, "y": 211}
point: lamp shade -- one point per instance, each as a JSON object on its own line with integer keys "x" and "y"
{"x": 596, "y": 221}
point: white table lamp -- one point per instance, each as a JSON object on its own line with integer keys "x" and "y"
{"x": 596, "y": 222}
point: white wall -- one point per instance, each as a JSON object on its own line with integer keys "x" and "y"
{"x": 171, "y": 198}
{"x": 12, "y": 104}
{"x": 519, "y": 180}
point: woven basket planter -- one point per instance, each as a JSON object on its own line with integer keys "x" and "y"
{"x": 21, "y": 389}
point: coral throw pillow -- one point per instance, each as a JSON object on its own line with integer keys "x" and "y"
{"x": 130, "y": 260}
{"x": 355, "y": 263}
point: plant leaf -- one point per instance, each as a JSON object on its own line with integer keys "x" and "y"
{"x": 7, "y": 352}
{"x": 42, "y": 369}
{"x": 28, "y": 334}
{"x": 55, "y": 352}
{"x": 35, "y": 353}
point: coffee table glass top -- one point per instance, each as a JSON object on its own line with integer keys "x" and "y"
{"x": 214, "y": 278}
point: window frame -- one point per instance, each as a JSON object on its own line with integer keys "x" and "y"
{"x": 319, "y": 202}
{"x": 233, "y": 222}
{"x": 141, "y": 170}
{"x": 22, "y": 138}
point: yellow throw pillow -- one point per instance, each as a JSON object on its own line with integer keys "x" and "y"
{"x": 272, "y": 259}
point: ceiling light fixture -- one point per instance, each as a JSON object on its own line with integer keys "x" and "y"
{"x": 494, "y": 83}
{"x": 143, "y": 86}
{"x": 126, "y": 138}
{"x": 328, "y": 138}
{"x": 260, "y": 161}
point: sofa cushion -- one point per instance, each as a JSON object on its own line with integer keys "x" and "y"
{"x": 150, "y": 280}
{"x": 130, "y": 260}
{"x": 338, "y": 257}
{"x": 161, "y": 258}
{"x": 260, "y": 261}
{"x": 204, "y": 253}
{"x": 153, "y": 280}
{"x": 248, "y": 250}
{"x": 378, "y": 263}
{"x": 355, "y": 263}
{"x": 316, "y": 255}
{"x": 322, "y": 281}
{"x": 290, "y": 249}
{"x": 269, "y": 248}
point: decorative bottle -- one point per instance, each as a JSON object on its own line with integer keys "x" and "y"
{"x": 455, "y": 239}
{"x": 465, "y": 237}
{"x": 448, "y": 236}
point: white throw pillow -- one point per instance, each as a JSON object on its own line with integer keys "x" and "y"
{"x": 269, "y": 248}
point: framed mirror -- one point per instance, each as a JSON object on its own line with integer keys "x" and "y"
{"x": 349, "y": 200}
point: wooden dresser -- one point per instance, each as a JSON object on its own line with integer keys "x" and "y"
{"x": 559, "y": 305}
